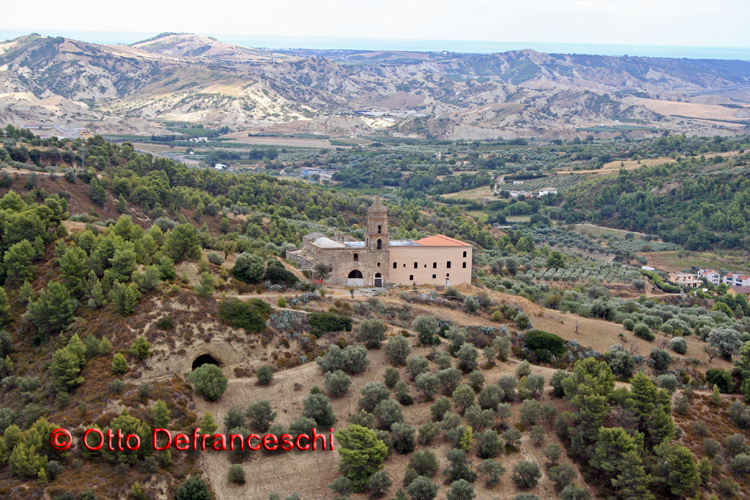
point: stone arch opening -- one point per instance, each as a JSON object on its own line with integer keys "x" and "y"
{"x": 205, "y": 359}
{"x": 355, "y": 274}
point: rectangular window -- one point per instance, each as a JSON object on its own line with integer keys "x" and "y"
{"x": 356, "y": 257}
{"x": 411, "y": 277}
{"x": 464, "y": 253}
{"x": 434, "y": 265}
{"x": 464, "y": 265}
{"x": 434, "y": 276}
{"x": 448, "y": 265}
{"x": 415, "y": 265}
{"x": 395, "y": 265}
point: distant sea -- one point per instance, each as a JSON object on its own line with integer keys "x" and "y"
{"x": 464, "y": 46}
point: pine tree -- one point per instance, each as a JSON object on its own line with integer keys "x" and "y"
{"x": 53, "y": 310}
{"x": 715, "y": 396}
{"x": 66, "y": 369}
{"x": 122, "y": 206}
{"x": 207, "y": 423}
{"x": 123, "y": 262}
{"x": 206, "y": 285}
{"x": 18, "y": 262}
{"x": 97, "y": 193}
{"x": 632, "y": 481}
{"x": 5, "y": 306}
{"x": 119, "y": 364}
{"x": 74, "y": 267}
{"x": 124, "y": 298}
{"x": 160, "y": 414}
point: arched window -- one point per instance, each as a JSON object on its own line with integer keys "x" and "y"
{"x": 355, "y": 274}
{"x": 379, "y": 229}
{"x": 380, "y": 244}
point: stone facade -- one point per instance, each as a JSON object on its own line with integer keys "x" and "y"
{"x": 378, "y": 261}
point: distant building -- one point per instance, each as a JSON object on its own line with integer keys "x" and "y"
{"x": 377, "y": 261}
{"x": 729, "y": 279}
{"x": 685, "y": 279}
{"x": 516, "y": 194}
{"x": 517, "y": 182}
{"x": 740, "y": 290}
{"x": 710, "y": 275}
{"x": 648, "y": 268}
{"x": 546, "y": 191}
{"x": 319, "y": 172}
{"x": 220, "y": 166}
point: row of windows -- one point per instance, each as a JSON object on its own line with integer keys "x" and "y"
{"x": 434, "y": 276}
{"x": 434, "y": 265}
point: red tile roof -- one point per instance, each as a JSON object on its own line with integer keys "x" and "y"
{"x": 440, "y": 240}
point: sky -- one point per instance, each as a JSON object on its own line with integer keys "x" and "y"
{"x": 696, "y": 23}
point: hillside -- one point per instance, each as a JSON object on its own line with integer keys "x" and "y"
{"x": 195, "y": 79}
{"x": 141, "y": 293}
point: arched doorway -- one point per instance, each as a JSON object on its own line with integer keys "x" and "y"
{"x": 380, "y": 244}
{"x": 378, "y": 280}
{"x": 355, "y": 278}
{"x": 205, "y": 359}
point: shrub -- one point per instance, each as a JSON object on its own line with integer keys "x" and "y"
{"x": 526, "y": 474}
{"x": 523, "y": 321}
{"x": 629, "y": 324}
{"x": 404, "y": 437}
{"x": 422, "y": 488}
{"x": 264, "y": 375}
{"x": 119, "y": 364}
{"x": 562, "y": 475}
{"x": 249, "y": 268}
{"x": 353, "y": 359}
{"x": 661, "y": 359}
{"x": 328, "y": 322}
{"x": 678, "y": 345}
{"x": 545, "y": 345}
{"x": 250, "y": 314}
{"x": 236, "y": 474}
{"x": 278, "y": 275}
{"x": 165, "y": 323}
{"x": 467, "y": 358}
{"x": 215, "y": 258}
{"x": 668, "y": 382}
{"x": 426, "y": 326}
{"x": 372, "y": 333}
{"x": 379, "y": 483}
{"x": 492, "y": 470}
{"x": 643, "y": 331}
{"x": 194, "y": 488}
{"x": 337, "y": 383}
{"x": 208, "y": 381}
{"x": 318, "y": 407}
{"x": 574, "y": 492}
{"x": 140, "y": 348}
{"x": 391, "y": 377}
{"x": 397, "y": 350}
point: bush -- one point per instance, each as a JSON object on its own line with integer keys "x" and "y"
{"x": 278, "y": 275}
{"x": 629, "y": 324}
{"x": 397, "y": 350}
{"x": 140, "y": 348}
{"x": 208, "y": 381}
{"x": 574, "y": 492}
{"x": 562, "y": 475}
{"x": 352, "y": 360}
{"x": 404, "y": 437}
{"x": 236, "y": 474}
{"x": 526, "y": 474}
{"x": 250, "y": 314}
{"x": 668, "y": 382}
{"x": 337, "y": 383}
{"x": 426, "y": 326}
{"x": 391, "y": 377}
{"x": 545, "y": 345}
{"x": 119, "y": 364}
{"x": 165, "y": 323}
{"x": 372, "y": 333}
{"x": 523, "y": 321}
{"x": 678, "y": 345}
{"x": 215, "y": 258}
{"x": 194, "y": 488}
{"x": 643, "y": 331}
{"x": 328, "y": 322}
{"x": 264, "y": 375}
{"x": 661, "y": 359}
{"x": 249, "y": 268}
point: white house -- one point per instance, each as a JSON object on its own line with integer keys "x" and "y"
{"x": 710, "y": 275}
{"x": 220, "y": 166}
{"x": 648, "y": 268}
{"x": 516, "y": 194}
{"x": 546, "y": 191}
{"x": 729, "y": 278}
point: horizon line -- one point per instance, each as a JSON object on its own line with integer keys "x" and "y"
{"x": 286, "y": 42}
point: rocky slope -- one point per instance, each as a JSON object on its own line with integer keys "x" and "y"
{"x": 197, "y": 79}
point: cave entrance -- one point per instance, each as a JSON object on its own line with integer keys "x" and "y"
{"x": 205, "y": 359}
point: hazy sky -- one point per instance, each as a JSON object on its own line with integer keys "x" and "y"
{"x": 719, "y": 23}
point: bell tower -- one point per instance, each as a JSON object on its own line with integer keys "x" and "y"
{"x": 377, "y": 227}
